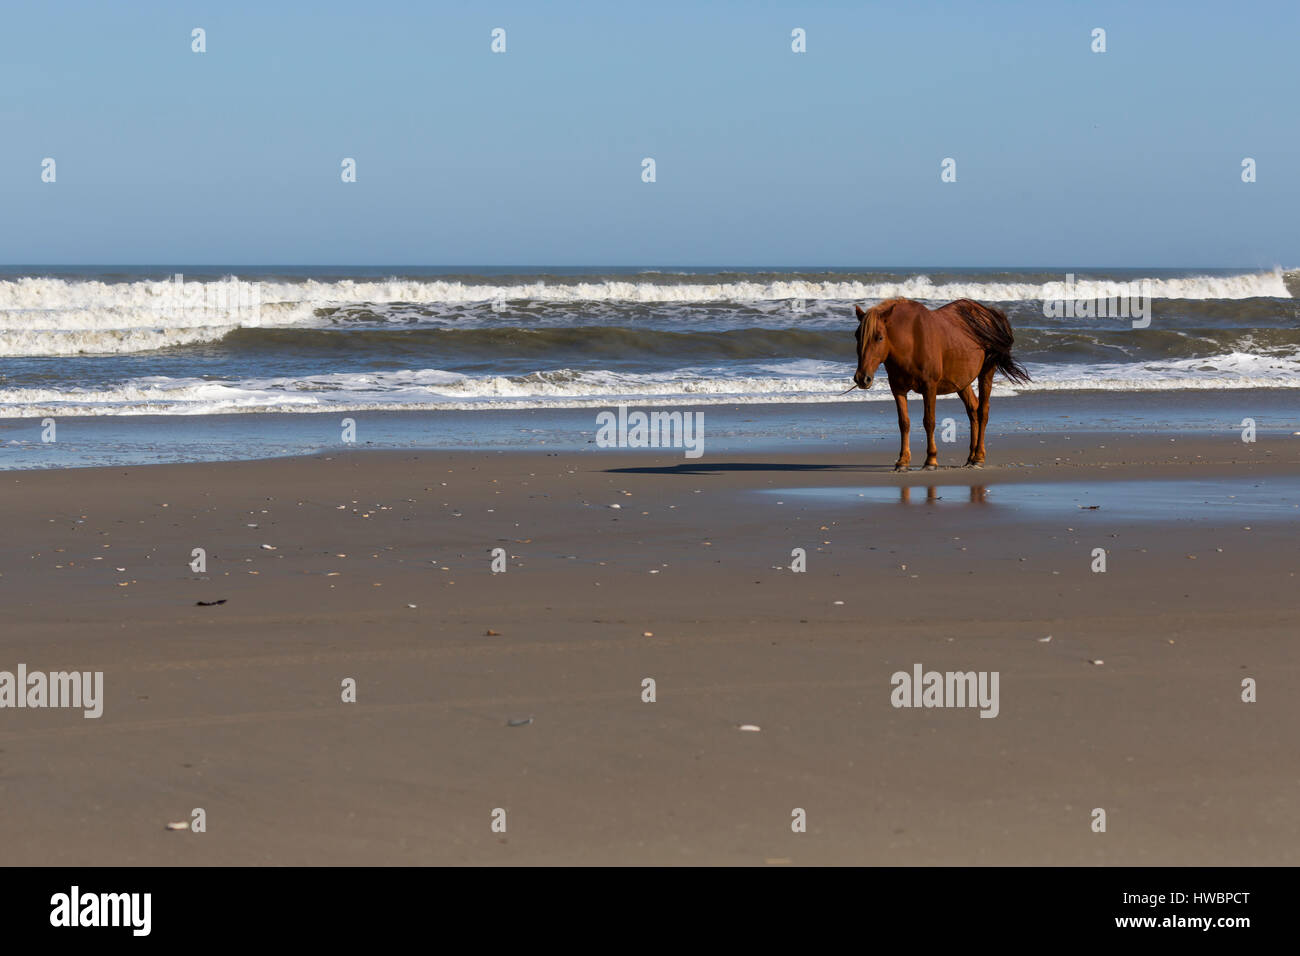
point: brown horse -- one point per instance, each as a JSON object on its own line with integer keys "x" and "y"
{"x": 937, "y": 353}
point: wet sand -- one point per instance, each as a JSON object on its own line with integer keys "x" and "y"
{"x": 235, "y": 708}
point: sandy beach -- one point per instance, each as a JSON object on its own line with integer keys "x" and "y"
{"x": 432, "y": 439}
{"x": 523, "y": 690}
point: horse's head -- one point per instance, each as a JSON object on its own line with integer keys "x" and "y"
{"x": 873, "y": 341}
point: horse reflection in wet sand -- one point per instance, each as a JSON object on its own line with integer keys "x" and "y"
{"x": 979, "y": 495}
{"x": 937, "y": 353}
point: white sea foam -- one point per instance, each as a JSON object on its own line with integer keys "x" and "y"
{"x": 52, "y": 293}
{"x": 107, "y": 341}
{"x": 52, "y": 316}
{"x": 431, "y": 389}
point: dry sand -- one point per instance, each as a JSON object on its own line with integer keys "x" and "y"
{"x": 236, "y": 708}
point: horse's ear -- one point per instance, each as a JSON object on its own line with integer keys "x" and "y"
{"x": 882, "y": 311}
{"x": 858, "y": 310}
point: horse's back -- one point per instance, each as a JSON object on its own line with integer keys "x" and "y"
{"x": 946, "y": 352}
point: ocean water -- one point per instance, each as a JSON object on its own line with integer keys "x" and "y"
{"x": 101, "y": 341}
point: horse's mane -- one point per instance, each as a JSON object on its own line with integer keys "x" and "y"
{"x": 879, "y": 310}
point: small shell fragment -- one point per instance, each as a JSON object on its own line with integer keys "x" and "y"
{"x": 183, "y": 825}
{"x": 752, "y": 728}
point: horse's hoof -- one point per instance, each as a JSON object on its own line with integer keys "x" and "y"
{"x": 974, "y": 464}
{"x": 900, "y": 468}
{"x": 931, "y": 468}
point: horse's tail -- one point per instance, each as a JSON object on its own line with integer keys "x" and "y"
{"x": 990, "y": 328}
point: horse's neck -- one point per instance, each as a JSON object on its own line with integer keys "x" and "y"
{"x": 903, "y": 360}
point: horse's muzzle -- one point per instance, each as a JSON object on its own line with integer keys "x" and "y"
{"x": 863, "y": 381}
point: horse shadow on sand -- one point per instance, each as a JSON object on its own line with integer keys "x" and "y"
{"x": 732, "y": 467}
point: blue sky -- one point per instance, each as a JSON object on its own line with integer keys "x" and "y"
{"x": 1065, "y": 157}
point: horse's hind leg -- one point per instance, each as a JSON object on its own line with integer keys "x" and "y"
{"x": 904, "y": 426}
{"x": 968, "y": 399}
{"x": 931, "y": 452}
{"x": 986, "y": 392}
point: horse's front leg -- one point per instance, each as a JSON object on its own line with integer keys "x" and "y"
{"x": 904, "y": 426}
{"x": 931, "y": 452}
